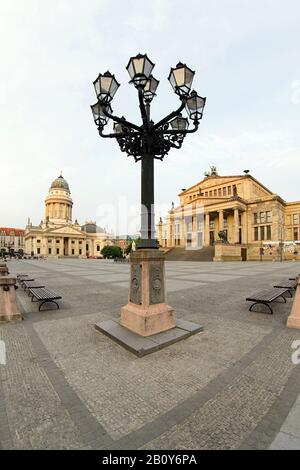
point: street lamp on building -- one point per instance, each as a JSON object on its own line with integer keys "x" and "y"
{"x": 147, "y": 142}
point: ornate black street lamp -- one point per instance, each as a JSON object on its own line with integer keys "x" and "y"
{"x": 147, "y": 142}
{"x": 150, "y": 140}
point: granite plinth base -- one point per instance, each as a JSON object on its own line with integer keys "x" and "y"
{"x": 141, "y": 345}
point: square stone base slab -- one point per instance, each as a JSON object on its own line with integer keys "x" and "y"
{"x": 142, "y": 345}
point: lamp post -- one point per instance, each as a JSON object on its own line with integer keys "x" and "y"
{"x": 147, "y": 311}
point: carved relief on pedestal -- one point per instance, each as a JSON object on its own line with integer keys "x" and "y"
{"x": 157, "y": 290}
{"x": 135, "y": 284}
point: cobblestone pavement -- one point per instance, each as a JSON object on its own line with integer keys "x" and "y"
{"x": 66, "y": 386}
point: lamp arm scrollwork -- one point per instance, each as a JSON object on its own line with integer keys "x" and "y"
{"x": 171, "y": 115}
{"x": 176, "y": 145}
{"x": 101, "y": 133}
{"x": 176, "y": 132}
{"x": 124, "y": 122}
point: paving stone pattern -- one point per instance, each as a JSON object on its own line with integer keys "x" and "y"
{"x": 66, "y": 386}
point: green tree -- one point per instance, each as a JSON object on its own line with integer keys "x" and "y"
{"x": 111, "y": 251}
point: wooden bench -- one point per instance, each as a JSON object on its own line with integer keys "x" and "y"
{"x": 23, "y": 280}
{"x": 289, "y": 284}
{"x": 44, "y": 296}
{"x": 266, "y": 297}
{"x": 22, "y": 276}
{"x": 35, "y": 284}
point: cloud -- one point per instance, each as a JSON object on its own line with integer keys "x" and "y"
{"x": 51, "y": 51}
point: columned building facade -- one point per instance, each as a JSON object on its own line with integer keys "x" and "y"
{"x": 255, "y": 222}
{"x": 57, "y": 235}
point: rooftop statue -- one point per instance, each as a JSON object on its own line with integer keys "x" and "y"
{"x": 213, "y": 171}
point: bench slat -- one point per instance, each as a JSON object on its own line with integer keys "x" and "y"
{"x": 289, "y": 284}
{"x": 267, "y": 295}
{"x": 44, "y": 294}
{"x": 33, "y": 284}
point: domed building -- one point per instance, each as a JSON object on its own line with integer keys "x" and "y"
{"x": 58, "y": 203}
{"x": 57, "y": 235}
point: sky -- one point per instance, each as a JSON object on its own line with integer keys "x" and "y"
{"x": 246, "y": 58}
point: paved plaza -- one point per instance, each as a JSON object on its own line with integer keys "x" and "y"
{"x": 232, "y": 386}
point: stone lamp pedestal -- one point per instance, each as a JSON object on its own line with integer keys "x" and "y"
{"x": 147, "y": 322}
{"x": 147, "y": 312}
{"x": 293, "y": 320}
{"x": 8, "y": 306}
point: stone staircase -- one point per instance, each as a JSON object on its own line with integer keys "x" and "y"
{"x": 181, "y": 254}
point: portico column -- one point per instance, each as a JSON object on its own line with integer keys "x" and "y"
{"x": 194, "y": 230}
{"x": 206, "y": 230}
{"x": 236, "y": 226}
{"x": 221, "y": 219}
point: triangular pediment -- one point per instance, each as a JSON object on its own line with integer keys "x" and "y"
{"x": 210, "y": 182}
{"x": 65, "y": 230}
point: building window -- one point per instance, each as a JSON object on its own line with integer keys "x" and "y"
{"x": 98, "y": 248}
{"x": 210, "y": 193}
{"x": 73, "y": 251}
{"x": 229, "y": 190}
{"x": 49, "y": 240}
{"x": 262, "y": 217}
{"x": 255, "y": 218}
{"x": 80, "y": 242}
{"x": 38, "y": 241}
{"x": 220, "y": 192}
{"x": 268, "y": 216}
{"x": 295, "y": 219}
{"x": 256, "y": 234}
{"x": 295, "y": 233}
{"x": 212, "y": 225}
{"x": 206, "y": 193}
{"x": 73, "y": 242}
{"x": 57, "y": 251}
{"x": 269, "y": 232}
{"x": 49, "y": 251}
{"x": 225, "y": 223}
{"x": 38, "y": 251}
{"x": 262, "y": 233}
{"x": 177, "y": 228}
{"x": 80, "y": 251}
{"x": 224, "y": 191}
{"x": 57, "y": 241}
{"x": 215, "y": 193}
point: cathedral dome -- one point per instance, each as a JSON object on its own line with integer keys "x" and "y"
{"x": 60, "y": 183}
